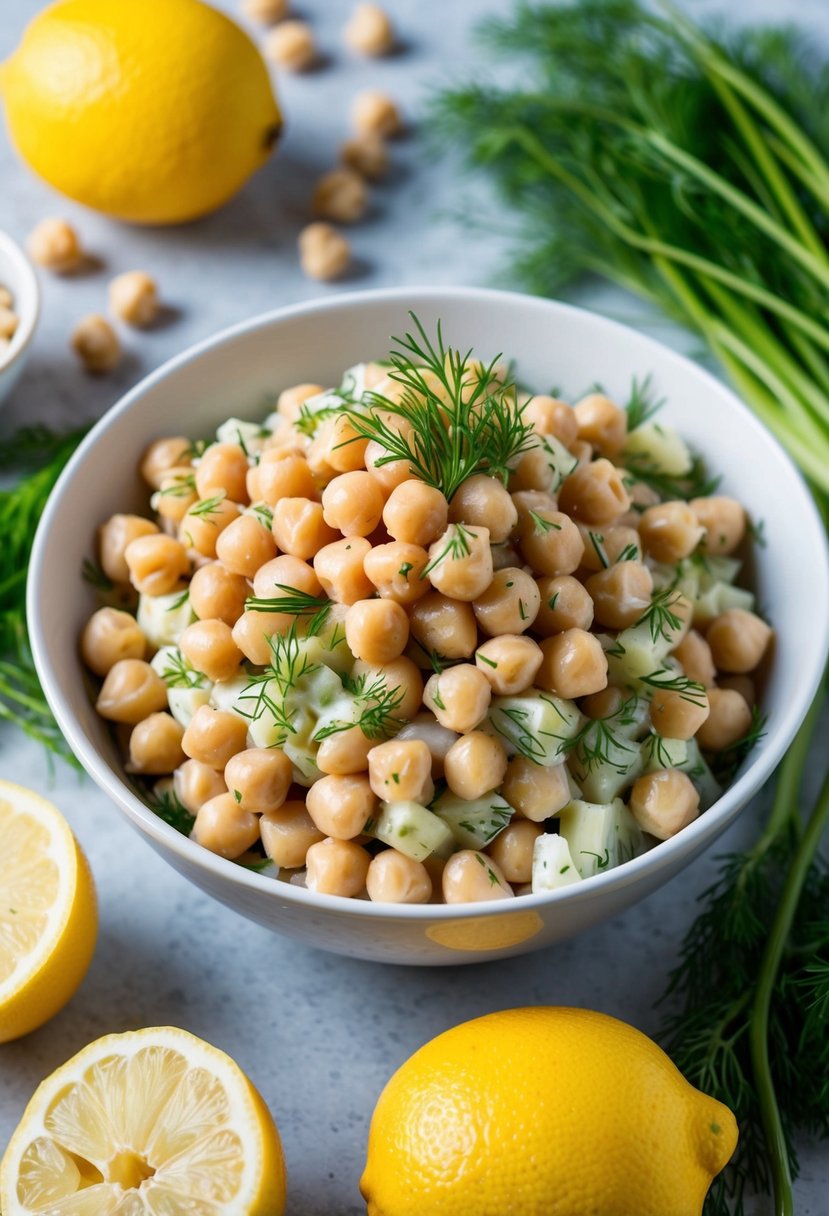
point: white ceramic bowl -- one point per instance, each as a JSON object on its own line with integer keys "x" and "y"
{"x": 553, "y": 344}
{"x": 17, "y": 275}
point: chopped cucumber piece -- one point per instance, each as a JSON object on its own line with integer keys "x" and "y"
{"x": 600, "y": 835}
{"x": 660, "y": 448}
{"x": 560, "y": 461}
{"x": 184, "y": 702}
{"x": 719, "y": 598}
{"x": 658, "y": 753}
{"x": 475, "y": 822}
{"x": 248, "y": 435}
{"x": 536, "y": 725}
{"x": 164, "y": 618}
{"x": 412, "y": 829}
{"x": 303, "y": 758}
{"x": 230, "y": 695}
{"x": 553, "y": 866}
{"x": 603, "y": 780}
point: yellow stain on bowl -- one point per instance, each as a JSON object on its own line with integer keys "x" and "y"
{"x": 486, "y": 933}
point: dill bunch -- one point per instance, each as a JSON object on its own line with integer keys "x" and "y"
{"x": 21, "y": 505}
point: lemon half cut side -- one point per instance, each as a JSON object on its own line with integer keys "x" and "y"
{"x": 152, "y": 1122}
{"x": 48, "y": 912}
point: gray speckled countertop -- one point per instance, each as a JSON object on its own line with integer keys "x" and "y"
{"x": 318, "y": 1034}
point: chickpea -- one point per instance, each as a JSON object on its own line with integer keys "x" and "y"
{"x": 252, "y": 631}
{"x": 96, "y": 344}
{"x": 156, "y": 563}
{"x": 208, "y": 646}
{"x": 416, "y": 513}
{"x": 109, "y": 636}
{"x": 133, "y": 298}
{"x": 345, "y": 752}
{"x": 583, "y": 452}
{"x": 533, "y": 471}
{"x": 213, "y": 736}
{"x": 728, "y": 720}
{"x": 460, "y": 562}
{"x": 400, "y": 675}
{"x": 288, "y": 833}
{"x": 195, "y": 783}
{"x": 664, "y": 802}
{"x": 475, "y": 764}
{"x": 394, "y": 878}
{"x": 324, "y": 253}
{"x": 677, "y": 716}
{"x": 284, "y": 571}
{"x": 336, "y": 867}
{"x": 573, "y": 665}
{"x": 724, "y": 521}
{"x": 509, "y": 662}
{"x": 339, "y": 568}
{"x": 163, "y": 455}
{"x": 565, "y": 604}
{"x": 266, "y": 12}
{"x": 459, "y": 697}
{"x": 444, "y": 626}
{"x": 374, "y": 113}
{"x": 131, "y": 692}
{"x": 670, "y": 531}
{"x": 620, "y": 594}
{"x": 204, "y": 522}
{"x": 216, "y": 594}
{"x": 340, "y": 806}
{"x": 512, "y": 850}
{"x": 484, "y": 501}
{"x": 244, "y": 546}
{"x": 388, "y": 473}
{"x": 738, "y": 640}
{"x": 283, "y": 476}
{"x": 337, "y": 447}
{"x": 694, "y": 653}
{"x": 535, "y": 790}
{"x": 223, "y": 827}
{"x": 401, "y": 771}
{"x": 550, "y": 542}
{"x": 594, "y": 493}
{"x": 353, "y": 504}
{"x": 602, "y": 549}
{"x": 299, "y": 527}
{"x": 113, "y": 539}
{"x": 290, "y": 400}
{"x": 376, "y": 630}
{"x": 54, "y": 245}
{"x": 396, "y": 571}
{"x": 291, "y": 46}
{"x": 176, "y": 494}
{"x": 602, "y": 424}
{"x": 259, "y": 778}
{"x": 369, "y": 31}
{"x": 603, "y": 704}
{"x": 340, "y": 195}
{"x": 223, "y": 467}
{"x": 549, "y": 416}
{"x": 155, "y": 744}
{"x": 366, "y": 154}
{"x": 510, "y": 604}
{"x": 470, "y": 877}
{"x": 525, "y": 501}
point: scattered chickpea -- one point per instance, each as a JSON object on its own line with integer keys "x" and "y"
{"x": 341, "y": 196}
{"x": 336, "y": 867}
{"x": 376, "y": 630}
{"x": 288, "y": 833}
{"x": 459, "y": 697}
{"x": 162, "y": 455}
{"x": 96, "y": 344}
{"x": 401, "y": 770}
{"x": 694, "y": 653}
{"x": 594, "y": 493}
{"x": 460, "y": 562}
{"x": 353, "y": 504}
{"x": 512, "y": 850}
{"x": 475, "y": 764}
{"x": 195, "y": 783}
{"x": 416, "y": 513}
{"x": 394, "y": 878}
{"x": 724, "y": 521}
{"x": 675, "y": 715}
{"x": 291, "y": 45}
{"x": 324, "y": 253}
{"x": 470, "y": 877}
{"x": 535, "y": 790}
{"x": 223, "y": 827}
{"x": 601, "y": 423}
{"x": 484, "y": 501}
{"x": 369, "y": 31}
{"x": 738, "y": 641}
{"x": 214, "y": 736}
{"x": 259, "y": 778}
{"x": 209, "y": 647}
{"x": 396, "y": 569}
{"x": 664, "y": 802}
{"x": 374, "y": 113}
{"x": 366, "y": 154}
{"x": 266, "y": 12}
{"x": 573, "y": 665}
{"x": 510, "y": 663}
{"x": 443, "y": 625}
{"x": 133, "y": 298}
{"x": 155, "y": 745}
{"x": 339, "y": 567}
{"x": 670, "y": 531}
{"x": 728, "y": 720}
{"x": 131, "y": 692}
{"x": 54, "y": 245}
{"x": 549, "y": 416}
{"x": 109, "y": 636}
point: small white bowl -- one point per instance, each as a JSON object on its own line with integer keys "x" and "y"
{"x": 552, "y": 344}
{"x": 17, "y": 275}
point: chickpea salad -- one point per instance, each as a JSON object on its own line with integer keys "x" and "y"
{"x": 426, "y": 637}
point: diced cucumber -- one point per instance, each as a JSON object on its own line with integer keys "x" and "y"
{"x": 184, "y": 702}
{"x": 706, "y": 783}
{"x": 353, "y": 383}
{"x": 249, "y": 435}
{"x": 303, "y": 758}
{"x": 187, "y": 688}
{"x": 164, "y": 618}
{"x": 603, "y": 780}
{"x": 560, "y": 460}
{"x": 536, "y": 725}
{"x": 553, "y": 866}
{"x": 600, "y": 835}
{"x": 660, "y": 447}
{"x": 660, "y": 753}
{"x": 233, "y": 695}
{"x": 412, "y": 829}
{"x": 719, "y": 598}
{"x": 475, "y": 822}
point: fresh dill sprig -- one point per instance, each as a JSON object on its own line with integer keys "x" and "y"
{"x": 641, "y": 405}
{"x": 92, "y": 573}
{"x": 377, "y": 704}
{"x": 268, "y": 689}
{"x": 292, "y": 601}
{"x": 689, "y": 690}
{"x": 208, "y": 506}
{"x": 309, "y": 421}
{"x": 662, "y": 622}
{"x": 599, "y": 742}
{"x": 178, "y": 673}
{"x": 182, "y": 485}
{"x": 264, "y": 514}
{"x": 180, "y": 600}
{"x": 166, "y": 805}
{"x": 456, "y": 547}
{"x": 542, "y": 525}
{"x": 460, "y": 420}
{"x": 597, "y": 541}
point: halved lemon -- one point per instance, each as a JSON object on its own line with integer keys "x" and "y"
{"x": 48, "y": 913}
{"x": 154, "y": 1122}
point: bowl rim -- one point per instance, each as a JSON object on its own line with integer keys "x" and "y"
{"x": 691, "y": 839}
{"x": 27, "y": 324}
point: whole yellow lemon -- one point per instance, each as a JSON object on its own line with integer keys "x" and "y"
{"x": 543, "y": 1112}
{"x": 154, "y": 112}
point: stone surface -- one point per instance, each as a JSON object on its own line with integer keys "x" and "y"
{"x": 318, "y": 1034}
